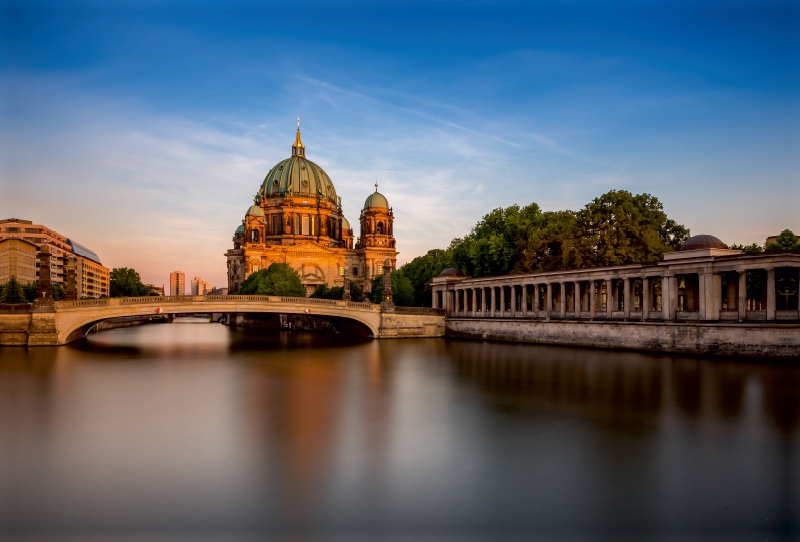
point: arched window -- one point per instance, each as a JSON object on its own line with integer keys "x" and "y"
{"x": 380, "y": 227}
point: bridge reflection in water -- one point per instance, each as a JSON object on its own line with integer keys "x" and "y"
{"x": 189, "y": 427}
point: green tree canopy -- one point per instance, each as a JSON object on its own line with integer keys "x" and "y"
{"x": 543, "y": 247}
{"x": 755, "y": 248}
{"x": 787, "y": 240}
{"x": 277, "y": 279}
{"x": 402, "y": 290}
{"x": 619, "y": 228}
{"x": 422, "y": 269}
{"x": 126, "y": 282}
{"x": 337, "y": 292}
{"x": 491, "y": 247}
{"x": 13, "y": 292}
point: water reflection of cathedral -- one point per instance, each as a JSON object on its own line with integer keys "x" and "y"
{"x": 297, "y": 219}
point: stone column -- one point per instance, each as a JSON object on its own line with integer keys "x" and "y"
{"x": 592, "y": 299}
{"x": 549, "y": 301}
{"x": 576, "y": 288}
{"x": 609, "y": 297}
{"x": 646, "y": 298}
{"x": 626, "y": 297}
{"x": 494, "y": 301}
{"x": 536, "y": 300}
{"x": 741, "y": 296}
{"x": 524, "y": 300}
{"x": 702, "y": 288}
{"x": 673, "y": 296}
{"x": 770, "y": 294}
{"x": 562, "y": 300}
{"x": 512, "y": 291}
{"x": 713, "y": 296}
{"x": 473, "y": 293}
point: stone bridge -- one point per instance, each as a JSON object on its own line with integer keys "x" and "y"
{"x": 62, "y": 322}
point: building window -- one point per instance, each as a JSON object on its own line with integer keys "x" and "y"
{"x": 255, "y": 268}
{"x": 355, "y": 271}
{"x": 304, "y": 231}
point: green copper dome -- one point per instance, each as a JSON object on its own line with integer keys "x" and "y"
{"x": 376, "y": 200}
{"x": 255, "y": 210}
{"x": 240, "y": 229}
{"x": 297, "y": 176}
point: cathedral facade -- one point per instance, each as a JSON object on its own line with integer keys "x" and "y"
{"x": 296, "y": 218}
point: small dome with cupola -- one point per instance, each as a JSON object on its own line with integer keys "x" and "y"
{"x": 255, "y": 211}
{"x": 702, "y": 241}
{"x": 376, "y": 200}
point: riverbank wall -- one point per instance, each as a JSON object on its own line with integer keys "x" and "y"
{"x": 717, "y": 339}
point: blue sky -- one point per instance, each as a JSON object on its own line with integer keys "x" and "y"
{"x": 143, "y": 129}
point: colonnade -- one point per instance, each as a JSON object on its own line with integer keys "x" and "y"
{"x": 753, "y": 291}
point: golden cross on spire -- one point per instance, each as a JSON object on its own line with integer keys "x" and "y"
{"x": 376, "y": 186}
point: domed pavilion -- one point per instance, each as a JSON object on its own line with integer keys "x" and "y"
{"x": 296, "y": 218}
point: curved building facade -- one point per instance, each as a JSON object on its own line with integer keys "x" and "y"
{"x": 296, "y": 218}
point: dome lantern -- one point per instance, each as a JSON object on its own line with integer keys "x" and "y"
{"x": 298, "y": 149}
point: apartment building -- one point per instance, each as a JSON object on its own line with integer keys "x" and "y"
{"x": 92, "y": 276}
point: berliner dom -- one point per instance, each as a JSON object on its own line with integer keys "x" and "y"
{"x": 296, "y": 218}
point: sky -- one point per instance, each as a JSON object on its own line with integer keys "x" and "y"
{"x": 142, "y": 130}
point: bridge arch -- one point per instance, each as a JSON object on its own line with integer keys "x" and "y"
{"x": 75, "y": 318}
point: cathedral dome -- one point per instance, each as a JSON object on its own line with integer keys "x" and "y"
{"x": 254, "y": 210}
{"x": 298, "y": 176}
{"x": 345, "y": 224}
{"x": 240, "y": 229}
{"x": 702, "y": 241}
{"x": 376, "y": 200}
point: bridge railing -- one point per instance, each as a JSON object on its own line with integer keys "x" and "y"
{"x": 159, "y": 300}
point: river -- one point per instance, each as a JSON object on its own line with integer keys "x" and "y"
{"x": 195, "y": 431}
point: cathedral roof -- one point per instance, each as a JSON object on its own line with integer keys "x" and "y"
{"x": 298, "y": 176}
{"x": 254, "y": 210}
{"x": 345, "y": 224}
{"x": 376, "y": 200}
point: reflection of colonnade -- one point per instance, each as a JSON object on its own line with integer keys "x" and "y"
{"x": 712, "y": 284}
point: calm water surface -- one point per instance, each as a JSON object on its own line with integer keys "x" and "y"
{"x": 193, "y": 431}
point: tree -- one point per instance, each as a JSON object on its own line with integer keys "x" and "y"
{"x": 356, "y": 293}
{"x": 277, "y": 279}
{"x": 126, "y": 282}
{"x": 402, "y": 290}
{"x": 13, "y": 292}
{"x": 787, "y": 240}
{"x": 543, "y": 248}
{"x": 422, "y": 269}
{"x": 619, "y": 228}
{"x": 323, "y": 292}
{"x": 491, "y": 247}
{"x": 755, "y": 248}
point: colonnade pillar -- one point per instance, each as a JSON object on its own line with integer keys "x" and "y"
{"x": 609, "y": 297}
{"x": 536, "y": 299}
{"x": 646, "y": 298}
{"x": 494, "y": 300}
{"x": 592, "y": 299}
{"x": 770, "y": 294}
{"x": 741, "y": 301}
{"x": 549, "y": 300}
{"x": 626, "y": 297}
{"x": 562, "y": 300}
{"x": 524, "y": 300}
{"x": 576, "y": 290}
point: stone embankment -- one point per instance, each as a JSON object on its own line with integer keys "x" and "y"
{"x": 734, "y": 339}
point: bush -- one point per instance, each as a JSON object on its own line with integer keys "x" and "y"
{"x": 13, "y": 292}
